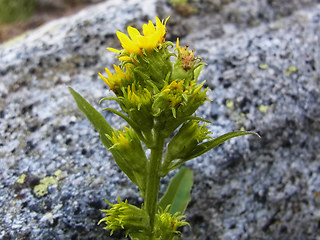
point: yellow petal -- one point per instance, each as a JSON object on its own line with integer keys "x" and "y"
{"x": 148, "y": 42}
{"x": 117, "y": 69}
{"x": 148, "y": 93}
{"x": 133, "y": 33}
{"x": 104, "y": 79}
{"x": 148, "y": 29}
{"x": 108, "y": 72}
{"x": 125, "y": 58}
{"x": 127, "y": 43}
{"x": 160, "y": 26}
{"x": 114, "y": 50}
{"x": 165, "y": 22}
{"x": 158, "y": 23}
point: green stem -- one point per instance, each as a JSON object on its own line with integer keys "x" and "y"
{"x": 153, "y": 180}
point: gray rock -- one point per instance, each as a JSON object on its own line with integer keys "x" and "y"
{"x": 264, "y": 77}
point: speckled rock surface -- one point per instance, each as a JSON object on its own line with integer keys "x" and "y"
{"x": 263, "y": 69}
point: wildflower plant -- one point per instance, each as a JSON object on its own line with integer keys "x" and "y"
{"x": 156, "y": 87}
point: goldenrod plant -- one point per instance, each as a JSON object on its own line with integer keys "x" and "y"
{"x": 156, "y": 87}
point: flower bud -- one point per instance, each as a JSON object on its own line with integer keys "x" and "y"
{"x": 167, "y": 224}
{"x": 137, "y": 104}
{"x": 125, "y": 216}
{"x": 187, "y": 138}
{"x": 129, "y": 146}
{"x": 186, "y": 64}
{"x": 129, "y": 155}
{"x": 169, "y": 99}
{"x": 117, "y": 80}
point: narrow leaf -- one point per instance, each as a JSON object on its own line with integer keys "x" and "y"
{"x": 129, "y": 121}
{"x": 207, "y": 146}
{"x": 104, "y": 130}
{"x": 96, "y": 119}
{"x": 178, "y": 191}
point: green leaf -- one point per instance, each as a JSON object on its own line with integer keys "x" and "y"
{"x": 96, "y": 119}
{"x": 207, "y": 146}
{"x": 178, "y": 191}
{"x": 104, "y": 130}
{"x": 128, "y": 120}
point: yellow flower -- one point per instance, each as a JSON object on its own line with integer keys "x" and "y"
{"x": 153, "y": 35}
{"x": 116, "y": 80}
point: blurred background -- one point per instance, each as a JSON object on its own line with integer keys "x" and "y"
{"x": 18, "y": 16}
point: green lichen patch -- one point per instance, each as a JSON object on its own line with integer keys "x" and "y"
{"x": 57, "y": 173}
{"x": 229, "y": 103}
{"x": 263, "y": 66}
{"x": 263, "y": 108}
{"x": 22, "y": 178}
{"x": 42, "y": 188}
{"x": 290, "y": 70}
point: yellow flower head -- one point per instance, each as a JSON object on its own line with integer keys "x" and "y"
{"x": 116, "y": 80}
{"x": 153, "y": 35}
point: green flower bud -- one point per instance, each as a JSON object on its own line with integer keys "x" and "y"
{"x": 187, "y": 138}
{"x": 137, "y": 104}
{"x": 169, "y": 99}
{"x": 192, "y": 99}
{"x": 129, "y": 154}
{"x": 129, "y": 146}
{"x": 167, "y": 224}
{"x": 181, "y": 98}
{"x": 186, "y": 64}
{"x": 125, "y": 216}
{"x": 151, "y": 68}
{"x": 117, "y": 80}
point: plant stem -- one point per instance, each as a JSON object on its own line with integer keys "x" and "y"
{"x": 153, "y": 182}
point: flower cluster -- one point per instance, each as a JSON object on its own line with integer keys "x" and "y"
{"x": 150, "y": 87}
{"x": 158, "y": 92}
